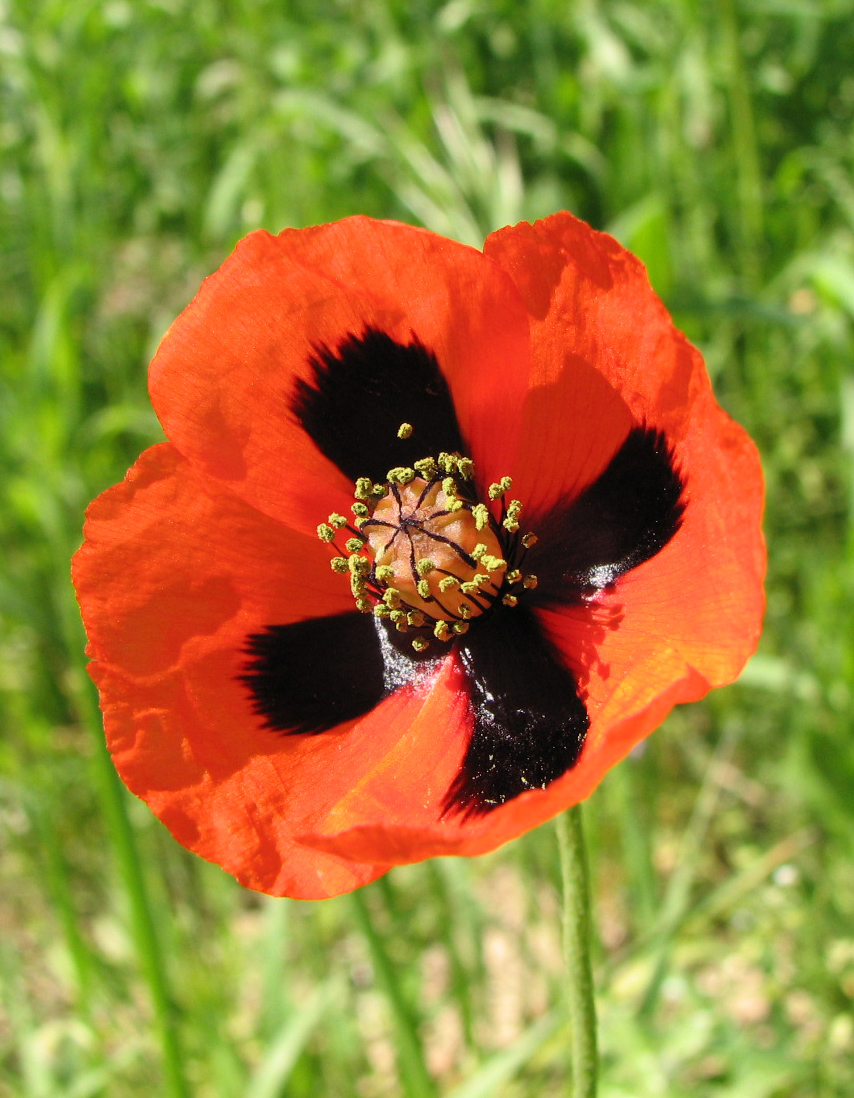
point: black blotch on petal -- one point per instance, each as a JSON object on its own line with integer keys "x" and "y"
{"x": 529, "y": 721}
{"x": 363, "y": 391}
{"x": 622, "y": 519}
{"x": 313, "y": 675}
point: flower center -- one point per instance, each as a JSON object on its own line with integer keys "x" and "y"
{"x": 425, "y": 554}
{"x": 433, "y": 553}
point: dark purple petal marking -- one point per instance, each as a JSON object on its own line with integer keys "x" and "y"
{"x": 363, "y": 391}
{"x": 621, "y": 520}
{"x": 312, "y": 675}
{"x": 529, "y": 721}
{"x": 315, "y": 674}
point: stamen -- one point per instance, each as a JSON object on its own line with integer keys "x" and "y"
{"x": 401, "y": 474}
{"x": 426, "y": 467}
{"x": 496, "y": 491}
{"x": 424, "y": 534}
{"x": 404, "y": 430}
{"x": 511, "y": 520}
{"x": 480, "y": 513}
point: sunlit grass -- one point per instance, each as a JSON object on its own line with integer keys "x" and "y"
{"x": 138, "y": 142}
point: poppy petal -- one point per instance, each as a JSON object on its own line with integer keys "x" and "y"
{"x": 224, "y": 378}
{"x": 627, "y": 515}
{"x": 529, "y": 722}
{"x": 168, "y": 652}
{"x": 606, "y": 358}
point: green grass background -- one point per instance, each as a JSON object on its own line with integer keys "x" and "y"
{"x": 139, "y": 140}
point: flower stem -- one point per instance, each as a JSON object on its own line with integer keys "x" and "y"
{"x": 581, "y": 1002}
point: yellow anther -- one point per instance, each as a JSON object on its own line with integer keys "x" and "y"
{"x": 336, "y": 520}
{"x": 364, "y": 488}
{"x": 460, "y": 627}
{"x": 416, "y": 618}
{"x": 361, "y": 510}
{"x": 492, "y": 564}
{"x": 441, "y": 631}
{"x": 465, "y": 467}
{"x": 514, "y": 576}
{"x": 424, "y": 566}
{"x": 339, "y": 564}
{"x": 464, "y": 610}
{"x": 391, "y": 597}
{"x": 357, "y": 585}
{"x": 420, "y": 643}
{"x": 530, "y": 582}
{"x": 325, "y": 533}
{"x": 470, "y": 588}
{"x": 447, "y": 583}
{"x": 364, "y": 606}
{"x": 401, "y": 474}
{"x": 381, "y": 610}
{"x": 511, "y": 520}
{"x": 481, "y": 515}
{"x": 384, "y": 573}
{"x": 496, "y": 491}
{"x": 359, "y": 566}
{"x": 449, "y": 487}
{"x": 404, "y": 430}
{"x": 423, "y": 589}
{"x": 479, "y": 550}
{"x": 353, "y": 545}
{"x": 398, "y": 616}
{"x": 529, "y": 539}
{"x": 510, "y": 600}
{"x": 426, "y": 467}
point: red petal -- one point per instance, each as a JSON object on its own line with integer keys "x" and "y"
{"x": 223, "y": 376}
{"x": 605, "y": 355}
{"x": 173, "y": 576}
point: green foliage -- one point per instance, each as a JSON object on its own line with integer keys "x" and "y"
{"x": 138, "y": 141}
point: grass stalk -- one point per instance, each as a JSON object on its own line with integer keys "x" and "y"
{"x": 113, "y": 800}
{"x": 580, "y": 995}
{"x": 413, "y": 1066}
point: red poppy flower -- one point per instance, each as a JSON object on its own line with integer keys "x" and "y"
{"x": 479, "y": 653}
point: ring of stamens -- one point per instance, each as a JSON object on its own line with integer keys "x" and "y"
{"x": 425, "y": 554}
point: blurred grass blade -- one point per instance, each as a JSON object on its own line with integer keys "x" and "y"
{"x": 504, "y": 1065}
{"x": 112, "y": 795}
{"x": 412, "y": 1064}
{"x": 286, "y": 1046}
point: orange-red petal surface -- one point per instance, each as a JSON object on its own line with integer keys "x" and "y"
{"x": 175, "y": 572}
{"x": 224, "y": 375}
